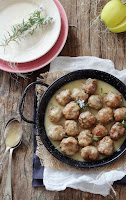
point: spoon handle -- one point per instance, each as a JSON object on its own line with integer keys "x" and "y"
{"x": 2, "y": 163}
{"x": 8, "y": 189}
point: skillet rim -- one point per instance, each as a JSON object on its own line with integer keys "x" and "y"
{"x": 97, "y": 74}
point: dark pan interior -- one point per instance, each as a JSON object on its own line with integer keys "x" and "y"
{"x": 76, "y": 75}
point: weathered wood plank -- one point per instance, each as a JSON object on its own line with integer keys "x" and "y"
{"x": 84, "y": 39}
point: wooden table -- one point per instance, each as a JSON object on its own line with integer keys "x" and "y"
{"x": 83, "y": 40}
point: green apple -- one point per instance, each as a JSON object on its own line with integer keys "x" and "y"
{"x": 119, "y": 28}
{"x": 113, "y": 13}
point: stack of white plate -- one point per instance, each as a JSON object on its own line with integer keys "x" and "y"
{"x": 37, "y": 50}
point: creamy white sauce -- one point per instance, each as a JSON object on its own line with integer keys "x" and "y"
{"x": 13, "y": 134}
{"x": 78, "y": 84}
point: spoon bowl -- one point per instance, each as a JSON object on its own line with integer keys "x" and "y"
{"x": 13, "y": 133}
{"x": 12, "y": 128}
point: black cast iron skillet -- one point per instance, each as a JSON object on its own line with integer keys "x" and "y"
{"x": 76, "y": 75}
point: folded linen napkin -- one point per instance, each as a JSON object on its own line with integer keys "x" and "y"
{"x": 90, "y": 181}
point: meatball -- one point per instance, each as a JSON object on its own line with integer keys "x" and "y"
{"x": 105, "y": 115}
{"x": 99, "y": 130}
{"x": 85, "y": 138}
{"x": 86, "y": 119}
{"x": 89, "y": 153}
{"x": 95, "y": 101}
{"x": 69, "y": 146}
{"x": 90, "y": 86}
{"x": 71, "y": 128}
{"x": 120, "y": 113}
{"x": 55, "y": 114}
{"x": 113, "y": 100}
{"x": 71, "y": 111}
{"x": 117, "y": 131}
{"x": 106, "y": 146}
{"x": 56, "y": 132}
{"x": 79, "y": 94}
{"x": 63, "y": 97}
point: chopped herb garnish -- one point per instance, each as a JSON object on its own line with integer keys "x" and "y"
{"x": 64, "y": 135}
{"x": 52, "y": 106}
{"x": 82, "y": 104}
{"x": 86, "y": 106}
{"x": 102, "y": 92}
{"x": 123, "y": 122}
{"x": 113, "y": 92}
{"x": 94, "y": 137}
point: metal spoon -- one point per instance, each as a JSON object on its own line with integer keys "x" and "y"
{"x": 2, "y": 162}
{"x": 13, "y": 135}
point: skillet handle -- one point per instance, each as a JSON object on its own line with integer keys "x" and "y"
{"x": 22, "y": 99}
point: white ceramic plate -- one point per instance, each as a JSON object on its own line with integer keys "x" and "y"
{"x": 33, "y": 46}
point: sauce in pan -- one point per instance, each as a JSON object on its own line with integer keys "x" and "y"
{"x": 106, "y": 88}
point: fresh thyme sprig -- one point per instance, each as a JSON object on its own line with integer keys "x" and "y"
{"x": 95, "y": 137}
{"x": 19, "y": 31}
{"x": 123, "y": 122}
{"x": 82, "y": 104}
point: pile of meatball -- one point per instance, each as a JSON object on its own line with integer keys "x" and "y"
{"x": 80, "y": 127}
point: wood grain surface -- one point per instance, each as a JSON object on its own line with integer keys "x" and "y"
{"x": 87, "y": 37}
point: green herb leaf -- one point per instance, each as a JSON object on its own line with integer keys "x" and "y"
{"x": 123, "y": 122}
{"x": 64, "y": 135}
{"x": 19, "y": 31}
{"x": 91, "y": 136}
{"x": 102, "y": 92}
{"x": 85, "y": 107}
{"x": 124, "y": 125}
{"x": 96, "y": 138}
{"x": 82, "y": 104}
{"x": 53, "y": 106}
{"x": 113, "y": 92}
